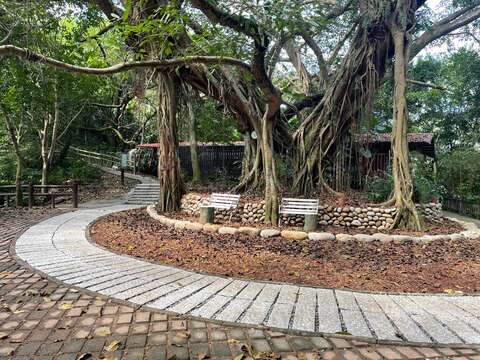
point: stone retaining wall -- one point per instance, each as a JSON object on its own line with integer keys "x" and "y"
{"x": 361, "y": 217}
{"x": 471, "y": 232}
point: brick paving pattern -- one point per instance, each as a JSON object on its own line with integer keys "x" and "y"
{"x": 43, "y": 319}
{"x": 59, "y": 248}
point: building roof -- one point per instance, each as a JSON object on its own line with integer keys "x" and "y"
{"x": 187, "y": 143}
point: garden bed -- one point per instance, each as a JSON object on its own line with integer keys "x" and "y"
{"x": 438, "y": 266}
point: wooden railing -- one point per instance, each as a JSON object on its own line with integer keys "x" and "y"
{"x": 95, "y": 158}
{"x": 471, "y": 209}
{"x": 49, "y": 192}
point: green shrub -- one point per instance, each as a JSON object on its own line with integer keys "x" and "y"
{"x": 379, "y": 188}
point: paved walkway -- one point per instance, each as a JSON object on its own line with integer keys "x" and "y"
{"x": 59, "y": 248}
{"x": 45, "y": 319}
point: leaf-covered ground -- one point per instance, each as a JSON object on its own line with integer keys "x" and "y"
{"x": 440, "y": 266}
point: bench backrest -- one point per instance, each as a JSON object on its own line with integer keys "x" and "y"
{"x": 299, "y": 206}
{"x": 224, "y": 201}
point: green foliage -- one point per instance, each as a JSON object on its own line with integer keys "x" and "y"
{"x": 459, "y": 173}
{"x": 379, "y": 188}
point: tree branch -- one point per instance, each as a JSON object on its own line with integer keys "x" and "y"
{"x": 322, "y": 65}
{"x": 448, "y": 24}
{"x": 261, "y": 40}
{"x": 28, "y": 55}
{"x": 109, "y": 9}
{"x": 9, "y": 34}
{"x": 425, "y": 84}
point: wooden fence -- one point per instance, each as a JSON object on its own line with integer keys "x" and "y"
{"x": 462, "y": 207}
{"x": 95, "y": 158}
{"x": 48, "y": 192}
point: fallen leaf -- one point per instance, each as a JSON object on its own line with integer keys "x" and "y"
{"x": 31, "y": 292}
{"x": 18, "y": 312}
{"x": 103, "y": 332}
{"x": 65, "y": 306}
{"x": 3, "y": 336}
{"x": 202, "y": 356}
{"x": 108, "y": 357}
{"x": 85, "y": 356}
{"x": 47, "y": 299}
{"x": 239, "y": 357}
{"x": 233, "y": 341}
{"x": 184, "y": 334}
{"x": 113, "y": 346}
{"x": 343, "y": 333}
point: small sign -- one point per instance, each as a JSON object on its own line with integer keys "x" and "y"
{"x": 124, "y": 160}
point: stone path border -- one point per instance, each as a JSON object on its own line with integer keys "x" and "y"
{"x": 59, "y": 247}
{"x": 471, "y": 231}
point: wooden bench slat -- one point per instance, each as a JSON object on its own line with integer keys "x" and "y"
{"x": 299, "y": 206}
{"x": 300, "y": 200}
{"x": 224, "y": 201}
{"x": 296, "y": 212}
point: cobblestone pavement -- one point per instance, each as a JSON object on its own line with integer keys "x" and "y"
{"x": 59, "y": 248}
{"x": 45, "y": 319}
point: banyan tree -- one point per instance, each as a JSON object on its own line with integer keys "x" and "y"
{"x": 235, "y": 52}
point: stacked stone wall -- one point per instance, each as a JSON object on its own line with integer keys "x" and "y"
{"x": 252, "y": 212}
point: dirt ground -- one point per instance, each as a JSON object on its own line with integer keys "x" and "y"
{"x": 108, "y": 186}
{"x": 440, "y": 266}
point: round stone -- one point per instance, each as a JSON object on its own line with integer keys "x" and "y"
{"x": 268, "y": 233}
{"x": 294, "y": 235}
{"x": 321, "y": 236}
{"x": 227, "y": 230}
{"x": 344, "y": 237}
{"x": 364, "y": 237}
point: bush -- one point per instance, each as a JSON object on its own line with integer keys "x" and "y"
{"x": 379, "y": 188}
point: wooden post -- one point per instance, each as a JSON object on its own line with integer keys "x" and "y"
{"x": 52, "y": 196}
{"x": 207, "y": 214}
{"x": 122, "y": 176}
{"x": 30, "y": 196}
{"x": 310, "y": 222}
{"x": 75, "y": 194}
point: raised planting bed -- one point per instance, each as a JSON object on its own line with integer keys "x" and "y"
{"x": 446, "y": 264}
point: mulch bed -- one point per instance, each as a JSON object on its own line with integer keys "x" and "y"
{"x": 408, "y": 267}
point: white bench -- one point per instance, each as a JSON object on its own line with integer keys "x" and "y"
{"x": 223, "y": 201}
{"x": 218, "y": 201}
{"x": 307, "y": 207}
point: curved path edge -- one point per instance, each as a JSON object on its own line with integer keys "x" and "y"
{"x": 59, "y": 248}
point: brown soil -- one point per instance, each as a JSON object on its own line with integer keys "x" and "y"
{"x": 430, "y": 228}
{"x": 375, "y": 266}
{"x": 108, "y": 186}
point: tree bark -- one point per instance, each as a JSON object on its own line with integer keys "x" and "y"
{"x": 407, "y": 215}
{"x": 15, "y": 137}
{"x": 192, "y": 132}
{"x": 270, "y": 173}
{"x": 18, "y": 181}
{"x": 169, "y": 175}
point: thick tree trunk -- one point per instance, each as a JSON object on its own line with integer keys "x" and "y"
{"x": 270, "y": 173}
{"x": 192, "y": 132}
{"x": 407, "y": 215}
{"x": 169, "y": 175}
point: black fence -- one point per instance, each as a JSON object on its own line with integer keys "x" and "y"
{"x": 462, "y": 207}
{"x": 221, "y": 160}
{"x": 214, "y": 159}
